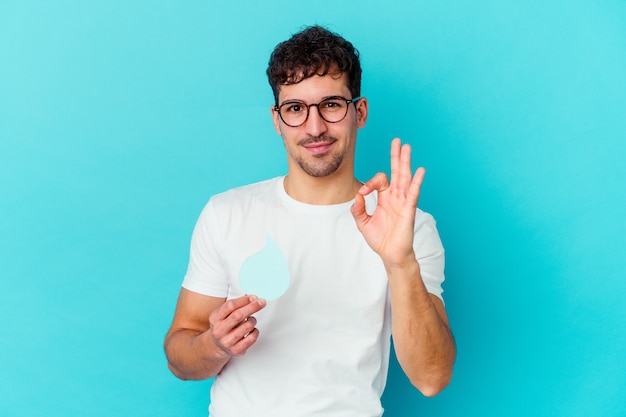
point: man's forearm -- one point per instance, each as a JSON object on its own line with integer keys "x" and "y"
{"x": 191, "y": 356}
{"x": 422, "y": 338}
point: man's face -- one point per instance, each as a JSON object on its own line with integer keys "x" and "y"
{"x": 319, "y": 148}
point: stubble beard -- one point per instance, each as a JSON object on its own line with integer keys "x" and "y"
{"x": 325, "y": 164}
{"x": 323, "y": 168}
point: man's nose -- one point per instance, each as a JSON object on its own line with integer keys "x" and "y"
{"x": 315, "y": 125}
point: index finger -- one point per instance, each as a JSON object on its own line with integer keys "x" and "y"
{"x": 378, "y": 182}
{"x": 239, "y": 308}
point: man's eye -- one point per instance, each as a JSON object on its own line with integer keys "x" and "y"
{"x": 332, "y": 104}
{"x": 294, "y": 108}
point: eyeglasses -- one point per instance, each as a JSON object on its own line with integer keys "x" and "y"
{"x": 295, "y": 113}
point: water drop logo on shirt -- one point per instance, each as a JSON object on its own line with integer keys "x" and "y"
{"x": 265, "y": 273}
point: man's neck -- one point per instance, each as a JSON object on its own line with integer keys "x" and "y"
{"x": 333, "y": 189}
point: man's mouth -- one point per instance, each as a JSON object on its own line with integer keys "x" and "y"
{"x": 318, "y": 146}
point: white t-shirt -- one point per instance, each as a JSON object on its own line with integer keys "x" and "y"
{"x": 323, "y": 348}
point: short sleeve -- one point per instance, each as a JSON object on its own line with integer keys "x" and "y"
{"x": 429, "y": 252}
{"x": 206, "y": 273}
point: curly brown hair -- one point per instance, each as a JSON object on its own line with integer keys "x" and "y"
{"x": 314, "y": 51}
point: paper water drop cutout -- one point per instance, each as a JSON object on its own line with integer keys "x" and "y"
{"x": 265, "y": 273}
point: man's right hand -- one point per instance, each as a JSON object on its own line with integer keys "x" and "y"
{"x": 232, "y": 325}
{"x": 208, "y": 331}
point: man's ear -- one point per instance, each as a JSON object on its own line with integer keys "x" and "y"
{"x": 361, "y": 112}
{"x": 276, "y": 119}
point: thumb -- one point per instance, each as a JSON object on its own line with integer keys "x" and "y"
{"x": 358, "y": 211}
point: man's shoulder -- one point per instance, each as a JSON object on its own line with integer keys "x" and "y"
{"x": 246, "y": 193}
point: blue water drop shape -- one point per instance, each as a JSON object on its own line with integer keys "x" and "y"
{"x": 265, "y": 273}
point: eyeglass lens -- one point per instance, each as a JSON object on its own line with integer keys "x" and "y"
{"x": 332, "y": 110}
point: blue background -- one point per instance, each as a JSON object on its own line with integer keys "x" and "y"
{"x": 119, "y": 119}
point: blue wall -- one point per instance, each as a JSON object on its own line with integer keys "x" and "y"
{"x": 119, "y": 119}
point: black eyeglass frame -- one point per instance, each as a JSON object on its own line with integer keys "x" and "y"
{"x": 308, "y": 109}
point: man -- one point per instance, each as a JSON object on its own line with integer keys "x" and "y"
{"x": 363, "y": 262}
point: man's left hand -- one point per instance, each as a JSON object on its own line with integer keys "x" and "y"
{"x": 389, "y": 230}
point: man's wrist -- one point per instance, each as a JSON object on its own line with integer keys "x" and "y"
{"x": 402, "y": 264}
{"x": 214, "y": 350}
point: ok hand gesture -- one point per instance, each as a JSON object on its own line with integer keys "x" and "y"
{"x": 389, "y": 230}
